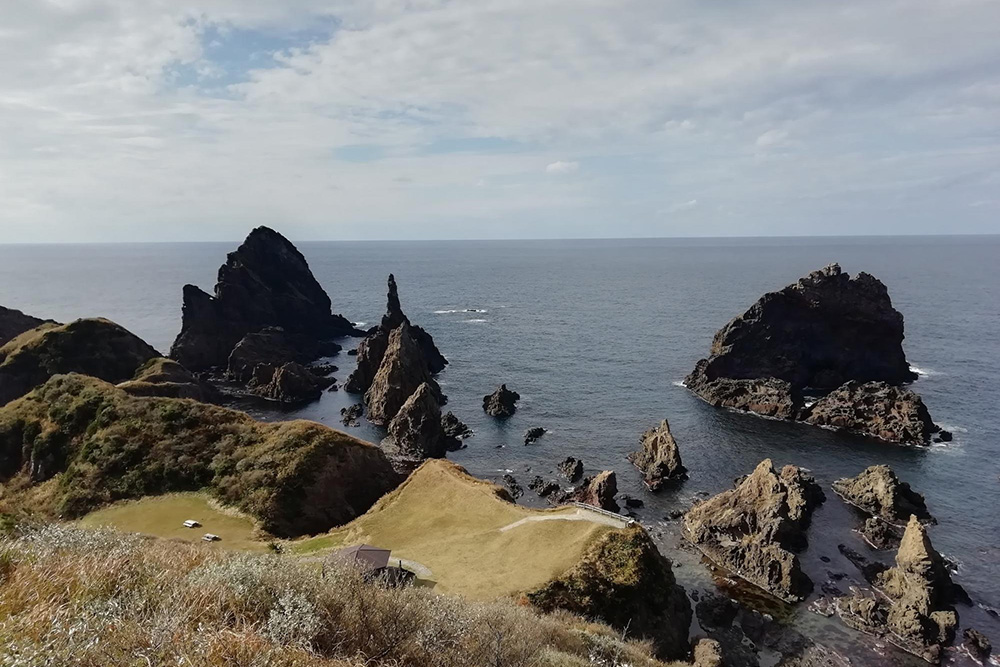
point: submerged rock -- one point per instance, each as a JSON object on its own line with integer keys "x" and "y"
{"x": 624, "y": 581}
{"x": 599, "y": 491}
{"x": 879, "y": 492}
{"x": 265, "y": 282}
{"x": 659, "y": 459}
{"x": 13, "y": 323}
{"x": 874, "y": 409}
{"x": 533, "y": 434}
{"x": 571, "y": 468}
{"x": 289, "y": 383}
{"x": 501, "y": 403}
{"x": 545, "y": 488}
{"x": 371, "y": 350}
{"x": 510, "y": 483}
{"x": 167, "y": 378}
{"x": 95, "y": 347}
{"x": 415, "y": 432}
{"x": 403, "y": 370}
{"x": 915, "y": 608}
{"x": 753, "y": 529}
{"x": 820, "y": 332}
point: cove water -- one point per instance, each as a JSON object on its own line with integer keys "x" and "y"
{"x": 596, "y": 337}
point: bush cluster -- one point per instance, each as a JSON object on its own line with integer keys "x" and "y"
{"x": 71, "y": 596}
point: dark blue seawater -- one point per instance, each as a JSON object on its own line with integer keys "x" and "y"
{"x": 596, "y": 336}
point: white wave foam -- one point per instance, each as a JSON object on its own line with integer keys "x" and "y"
{"x": 460, "y": 310}
{"x": 953, "y": 429}
{"x": 360, "y": 324}
{"x": 679, "y": 383}
{"x": 924, "y": 372}
{"x": 475, "y": 321}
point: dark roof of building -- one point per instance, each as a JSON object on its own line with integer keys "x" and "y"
{"x": 364, "y": 555}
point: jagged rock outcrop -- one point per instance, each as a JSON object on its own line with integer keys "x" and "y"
{"x": 532, "y": 435}
{"x": 822, "y": 331}
{"x": 14, "y": 323}
{"x": 350, "y": 415}
{"x": 915, "y": 609}
{"x": 454, "y": 427}
{"x": 880, "y": 533}
{"x": 403, "y": 369}
{"x": 167, "y": 378}
{"x": 977, "y": 645}
{"x": 753, "y": 529}
{"x": 96, "y": 347}
{"x": 97, "y": 444}
{"x": 415, "y": 433}
{"x": 288, "y": 383}
{"x": 658, "y": 458}
{"x": 879, "y": 492}
{"x": 273, "y": 346}
{"x": 624, "y": 581}
{"x": 372, "y": 348}
{"x": 571, "y": 468}
{"x": 501, "y": 403}
{"x": 546, "y": 488}
{"x": 265, "y": 282}
{"x": 876, "y": 409}
{"x": 599, "y": 491}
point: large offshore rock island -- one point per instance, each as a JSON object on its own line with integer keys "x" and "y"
{"x": 827, "y": 335}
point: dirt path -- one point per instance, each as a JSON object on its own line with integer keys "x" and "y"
{"x": 579, "y": 515}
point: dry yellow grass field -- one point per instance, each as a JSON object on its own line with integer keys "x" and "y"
{"x": 164, "y": 516}
{"x": 451, "y": 523}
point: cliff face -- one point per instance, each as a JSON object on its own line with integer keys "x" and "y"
{"x": 96, "y": 347}
{"x": 91, "y": 443}
{"x": 624, "y": 581}
{"x": 824, "y": 330}
{"x": 265, "y": 282}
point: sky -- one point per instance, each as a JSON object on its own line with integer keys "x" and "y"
{"x": 184, "y": 120}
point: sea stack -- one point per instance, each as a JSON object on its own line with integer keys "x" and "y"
{"x": 266, "y": 282}
{"x": 402, "y": 370}
{"x": 501, "y": 403}
{"x": 754, "y": 529}
{"x": 880, "y": 493}
{"x": 416, "y": 432}
{"x": 827, "y": 334}
{"x": 373, "y": 347}
{"x": 658, "y": 458}
{"x": 915, "y": 608}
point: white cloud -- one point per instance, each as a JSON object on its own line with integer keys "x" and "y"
{"x": 200, "y": 118}
{"x": 562, "y": 167}
{"x": 683, "y": 206}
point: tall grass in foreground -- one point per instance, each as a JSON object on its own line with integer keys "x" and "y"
{"x": 72, "y": 596}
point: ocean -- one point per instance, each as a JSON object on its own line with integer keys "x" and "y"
{"x": 596, "y": 336}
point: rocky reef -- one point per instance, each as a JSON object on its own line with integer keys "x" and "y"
{"x": 571, "y": 468}
{"x": 827, "y": 334}
{"x": 266, "y": 282}
{"x": 880, "y": 493}
{"x": 168, "y": 379}
{"x": 416, "y": 432}
{"x": 754, "y": 529}
{"x": 77, "y": 443}
{"x": 658, "y": 458}
{"x": 372, "y": 349}
{"x": 14, "y": 323}
{"x": 914, "y": 608}
{"x": 624, "y": 581}
{"x": 875, "y": 409}
{"x": 290, "y": 383}
{"x": 501, "y": 403}
{"x": 96, "y": 347}
{"x": 403, "y": 369}
{"x": 272, "y": 347}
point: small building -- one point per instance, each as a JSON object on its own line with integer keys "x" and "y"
{"x": 191, "y": 523}
{"x": 373, "y": 563}
{"x": 210, "y": 537}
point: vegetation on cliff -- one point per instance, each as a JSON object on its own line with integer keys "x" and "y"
{"x": 77, "y": 443}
